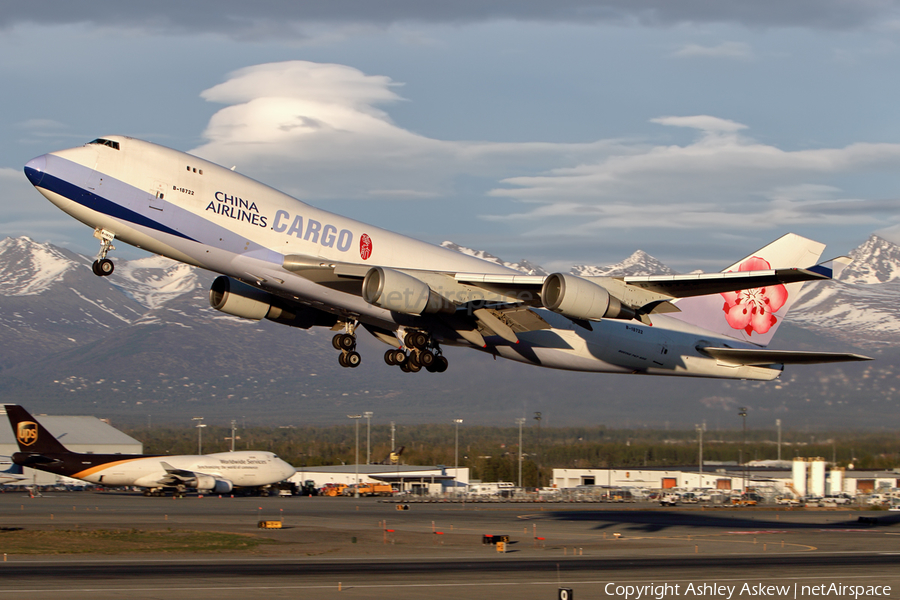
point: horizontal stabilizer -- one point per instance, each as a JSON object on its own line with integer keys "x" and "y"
{"x": 752, "y": 356}
{"x": 703, "y": 284}
{"x": 832, "y": 268}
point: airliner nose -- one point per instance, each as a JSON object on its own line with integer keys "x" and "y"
{"x": 34, "y": 170}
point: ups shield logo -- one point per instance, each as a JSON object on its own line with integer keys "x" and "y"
{"x": 27, "y": 433}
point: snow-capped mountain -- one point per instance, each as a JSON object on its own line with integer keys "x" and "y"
{"x": 155, "y": 280}
{"x": 861, "y": 306}
{"x": 29, "y": 268}
{"x": 146, "y": 338}
{"x": 639, "y": 263}
{"x": 524, "y": 266}
{"x": 875, "y": 261}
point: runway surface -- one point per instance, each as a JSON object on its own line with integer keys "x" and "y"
{"x": 367, "y": 549}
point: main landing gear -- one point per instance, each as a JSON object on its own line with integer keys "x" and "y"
{"x": 104, "y": 267}
{"x": 423, "y": 353}
{"x": 346, "y": 343}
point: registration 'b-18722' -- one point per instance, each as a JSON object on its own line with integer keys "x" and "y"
{"x": 287, "y": 261}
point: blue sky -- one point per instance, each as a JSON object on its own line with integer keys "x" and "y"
{"x": 566, "y": 134}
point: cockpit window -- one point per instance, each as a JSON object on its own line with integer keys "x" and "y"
{"x": 103, "y": 142}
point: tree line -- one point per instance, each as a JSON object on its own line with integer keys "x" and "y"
{"x": 492, "y": 453}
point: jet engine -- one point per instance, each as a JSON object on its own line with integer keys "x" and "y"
{"x": 241, "y": 300}
{"x": 208, "y": 483}
{"x": 579, "y": 298}
{"x": 402, "y": 293}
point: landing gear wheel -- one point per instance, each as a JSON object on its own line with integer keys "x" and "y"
{"x": 336, "y": 341}
{"x": 416, "y": 339}
{"x": 352, "y": 359}
{"x": 412, "y": 365}
{"x": 440, "y": 364}
{"x": 346, "y": 341}
{"x": 389, "y": 357}
{"x": 414, "y": 360}
{"x": 342, "y": 360}
{"x": 399, "y": 357}
{"x": 426, "y": 358}
{"x": 103, "y": 267}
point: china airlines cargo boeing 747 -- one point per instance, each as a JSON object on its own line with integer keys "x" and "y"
{"x": 292, "y": 263}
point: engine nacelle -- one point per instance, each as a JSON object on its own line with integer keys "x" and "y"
{"x": 579, "y": 298}
{"x": 402, "y": 293}
{"x": 208, "y": 483}
{"x": 241, "y": 300}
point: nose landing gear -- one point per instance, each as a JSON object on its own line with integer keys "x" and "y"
{"x": 104, "y": 267}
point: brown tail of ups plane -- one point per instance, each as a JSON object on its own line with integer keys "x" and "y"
{"x": 31, "y": 436}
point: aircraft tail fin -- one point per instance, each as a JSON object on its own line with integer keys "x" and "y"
{"x": 13, "y": 469}
{"x": 393, "y": 457}
{"x": 31, "y": 436}
{"x": 754, "y": 315}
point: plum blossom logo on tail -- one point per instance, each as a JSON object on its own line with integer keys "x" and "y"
{"x": 365, "y": 246}
{"x": 754, "y": 310}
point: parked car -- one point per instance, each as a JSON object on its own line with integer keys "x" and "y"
{"x": 787, "y": 501}
{"x": 669, "y": 500}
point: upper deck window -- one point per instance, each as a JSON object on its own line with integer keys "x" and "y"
{"x": 103, "y": 142}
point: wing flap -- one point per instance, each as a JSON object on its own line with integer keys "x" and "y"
{"x": 760, "y": 357}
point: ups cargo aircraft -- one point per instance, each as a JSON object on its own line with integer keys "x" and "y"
{"x": 217, "y": 473}
{"x": 292, "y": 263}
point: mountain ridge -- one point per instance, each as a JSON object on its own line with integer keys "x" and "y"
{"x": 145, "y": 340}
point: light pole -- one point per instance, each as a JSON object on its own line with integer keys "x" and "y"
{"x": 778, "y": 425}
{"x": 520, "y": 421}
{"x": 743, "y": 414}
{"x": 537, "y": 417}
{"x": 456, "y": 455}
{"x": 368, "y": 416}
{"x": 356, "y": 419}
{"x": 200, "y": 427}
{"x": 700, "y": 468}
{"x": 233, "y": 432}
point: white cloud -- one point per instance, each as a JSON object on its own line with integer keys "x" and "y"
{"x": 702, "y": 122}
{"x": 316, "y": 130}
{"x": 320, "y": 131}
{"x": 729, "y": 50}
{"x": 721, "y": 180}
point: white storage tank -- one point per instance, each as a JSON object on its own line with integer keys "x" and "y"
{"x": 837, "y": 481}
{"x": 799, "y": 476}
{"x": 817, "y": 477}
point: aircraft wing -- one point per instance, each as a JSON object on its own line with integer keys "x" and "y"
{"x": 760, "y": 357}
{"x": 177, "y": 473}
{"x": 502, "y": 300}
{"x": 194, "y": 479}
{"x": 461, "y": 288}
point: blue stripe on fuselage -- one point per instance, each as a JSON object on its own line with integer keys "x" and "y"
{"x": 102, "y": 205}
